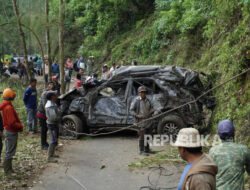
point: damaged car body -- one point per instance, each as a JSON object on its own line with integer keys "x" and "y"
{"x": 106, "y": 106}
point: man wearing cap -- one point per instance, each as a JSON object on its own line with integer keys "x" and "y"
{"x": 142, "y": 108}
{"x": 90, "y": 65}
{"x": 42, "y": 116}
{"x": 232, "y": 159}
{"x": 105, "y": 72}
{"x": 200, "y": 171}
{"x": 12, "y": 126}
{"x": 53, "y": 115}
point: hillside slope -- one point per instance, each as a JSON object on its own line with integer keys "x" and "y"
{"x": 210, "y": 36}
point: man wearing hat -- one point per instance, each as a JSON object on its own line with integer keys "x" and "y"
{"x": 105, "y": 72}
{"x": 200, "y": 170}
{"x": 232, "y": 159}
{"x": 142, "y": 108}
{"x": 12, "y": 126}
{"x": 90, "y": 65}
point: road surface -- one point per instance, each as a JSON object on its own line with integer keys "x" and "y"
{"x": 99, "y": 164}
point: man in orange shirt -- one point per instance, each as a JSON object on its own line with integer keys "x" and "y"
{"x": 12, "y": 126}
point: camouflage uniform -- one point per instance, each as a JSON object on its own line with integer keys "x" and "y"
{"x": 90, "y": 65}
{"x": 232, "y": 160}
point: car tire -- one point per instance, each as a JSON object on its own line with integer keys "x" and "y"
{"x": 73, "y": 123}
{"x": 170, "y": 125}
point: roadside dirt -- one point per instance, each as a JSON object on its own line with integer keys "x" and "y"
{"x": 101, "y": 163}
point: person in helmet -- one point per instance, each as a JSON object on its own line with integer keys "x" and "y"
{"x": 12, "y": 126}
{"x": 142, "y": 108}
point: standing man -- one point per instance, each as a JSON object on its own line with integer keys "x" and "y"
{"x": 30, "y": 101}
{"x": 200, "y": 171}
{"x": 81, "y": 64}
{"x": 90, "y": 65}
{"x": 67, "y": 77}
{"x": 31, "y": 67}
{"x": 21, "y": 69}
{"x": 42, "y": 116}
{"x": 112, "y": 69}
{"x": 57, "y": 85}
{"x": 55, "y": 68}
{"x": 122, "y": 63}
{"x": 141, "y": 108}
{"x": 134, "y": 63}
{"x": 75, "y": 66}
{"x": 12, "y": 126}
{"x": 53, "y": 115}
{"x": 105, "y": 72}
{"x": 232, "y": 159}
{"x": 81, "y": 72}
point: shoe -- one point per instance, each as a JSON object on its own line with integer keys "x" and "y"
{"x": 148, "y": 150}
{"x": 45, "y": 147}
{"x": 51, "y": 158}
{"x": 7, "y": 166}
{"x": 143, "y": 153}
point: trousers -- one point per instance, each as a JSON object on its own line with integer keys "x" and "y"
{"x": 10, "y": 144}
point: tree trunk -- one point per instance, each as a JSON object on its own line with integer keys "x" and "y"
{"x": 48, "y": 41}
{"x": 23, "y": 39}
{"x": 39, "y": 43}
{"x": 61, "y": 48}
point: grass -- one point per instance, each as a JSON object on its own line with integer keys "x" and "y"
{"x": 167, "y": 156}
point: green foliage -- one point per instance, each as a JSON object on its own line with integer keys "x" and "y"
{"x": 211, "y": 36}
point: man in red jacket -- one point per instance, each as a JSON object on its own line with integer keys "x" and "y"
{"x": 12, "y": 126}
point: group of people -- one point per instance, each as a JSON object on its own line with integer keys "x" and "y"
{"x": 83, "y": 77}
{"x": 46, "y": 111}
{"x": 222, "y": 169}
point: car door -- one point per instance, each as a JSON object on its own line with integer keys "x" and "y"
{"x": 110, "y": 107}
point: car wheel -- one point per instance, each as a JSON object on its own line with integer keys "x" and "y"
{"x": 170, "y": 125}
{"x": 71, "y": 123}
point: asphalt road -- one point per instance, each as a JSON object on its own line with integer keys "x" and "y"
{"x": 99, "y": 164}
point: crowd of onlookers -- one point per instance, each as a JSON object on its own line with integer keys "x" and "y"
{"x": 82, "y": 70}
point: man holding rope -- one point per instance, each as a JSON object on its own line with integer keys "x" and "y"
{"x": 141, "y": 109}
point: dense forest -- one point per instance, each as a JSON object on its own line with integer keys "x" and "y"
{"x": 206, "y": 35}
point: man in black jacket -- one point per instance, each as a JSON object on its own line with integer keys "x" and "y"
{"x": 42, "y": 116}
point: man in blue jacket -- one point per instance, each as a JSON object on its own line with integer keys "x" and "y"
{"x": 30, "y": 101}
{"x": 55, "y": 68}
